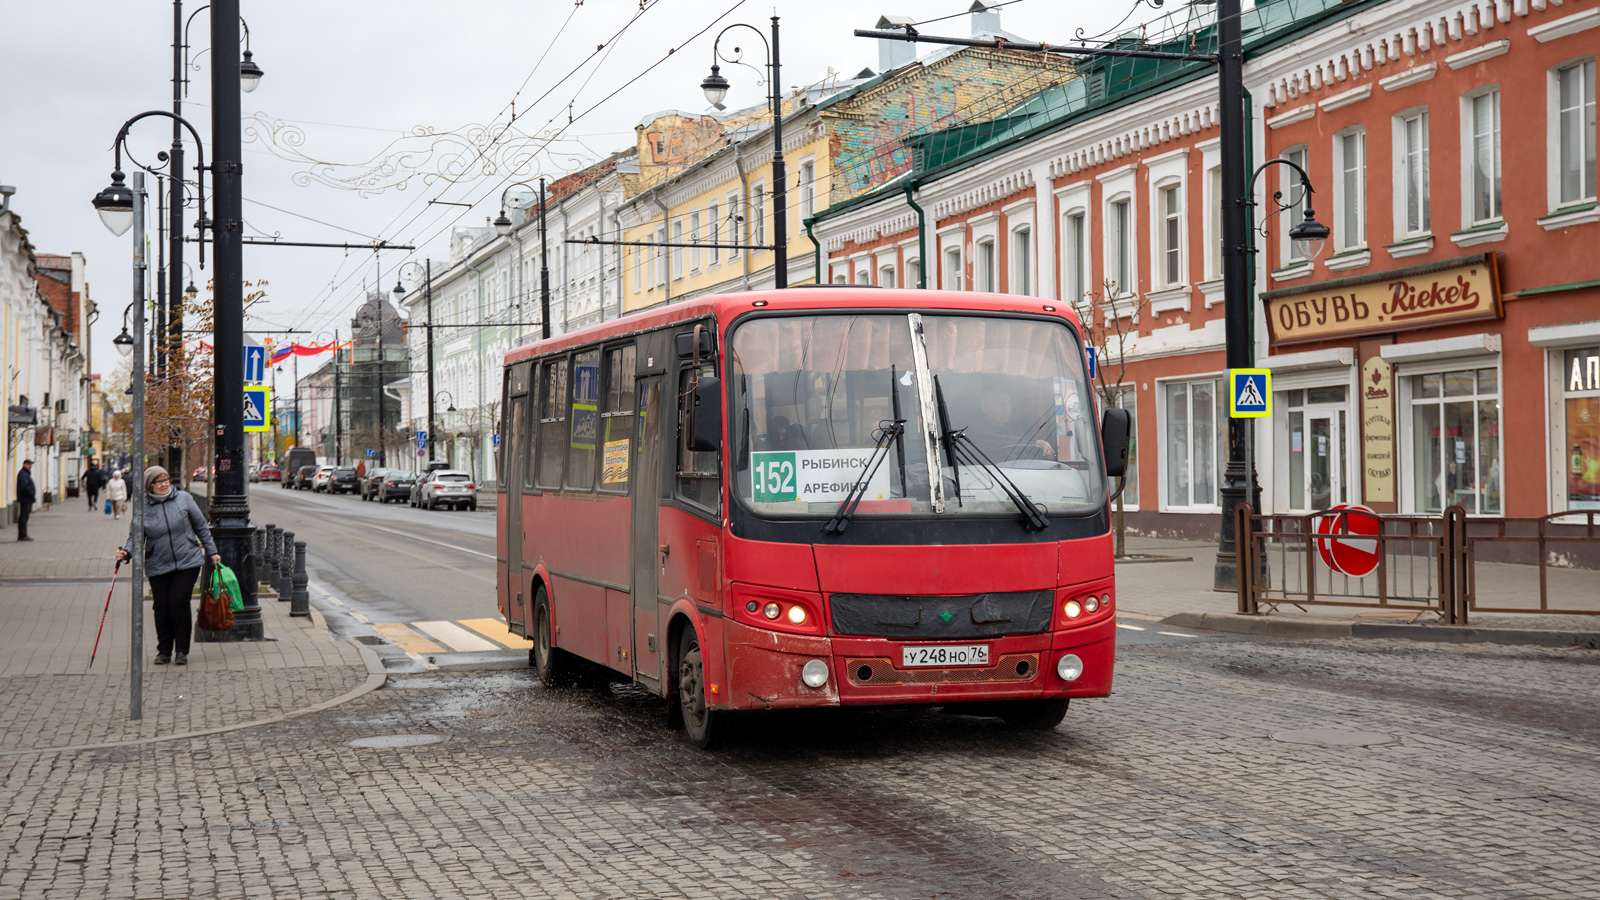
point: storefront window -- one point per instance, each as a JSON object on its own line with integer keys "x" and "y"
{"x": 1195, "y": 442}
{"x": 1127, "y": 398}
{"x": 1455, "y": 441}
{"x": 1581, "y": 389}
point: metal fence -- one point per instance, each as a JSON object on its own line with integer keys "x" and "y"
{"x": 1447, "y": 566}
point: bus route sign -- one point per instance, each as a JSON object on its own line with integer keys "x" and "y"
{"x": 814, "y": 476}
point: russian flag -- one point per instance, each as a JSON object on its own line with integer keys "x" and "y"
{"x": 282, "y": 353}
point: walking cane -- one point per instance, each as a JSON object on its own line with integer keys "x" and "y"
{"x": 113, "y": 590}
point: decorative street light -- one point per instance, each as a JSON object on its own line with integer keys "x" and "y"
{"x": 502, "y": 227}
{"x": 450, "y": 402}
{"x": 399, "y": 291}
{"x": 124, "y": 341}
{"x": 716, "y": 90}
{"x": 114, "y": 203}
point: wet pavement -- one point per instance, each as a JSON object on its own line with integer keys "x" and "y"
{"x": 1173, "y": 787}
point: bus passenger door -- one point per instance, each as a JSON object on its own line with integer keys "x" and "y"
{"x": 646, "y": 463}
{"x": 514, "y": 458}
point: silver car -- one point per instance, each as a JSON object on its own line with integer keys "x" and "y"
{"x": 448, "y": 487}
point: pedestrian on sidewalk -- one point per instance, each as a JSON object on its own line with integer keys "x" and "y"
{"x": 92, "y": 481}
{"x": 117, "y": 493}
{"x": 26, "y": 496}
{"x": 174, "y": 533}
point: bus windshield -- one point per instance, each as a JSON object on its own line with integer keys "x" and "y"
{"x": 813, "y": 396}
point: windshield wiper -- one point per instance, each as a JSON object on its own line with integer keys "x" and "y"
{"x": 960, "y": 448}
{"x": 899, "y": 439}
{"x": 847, "y": 507}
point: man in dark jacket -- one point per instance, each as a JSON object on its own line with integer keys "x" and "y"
{"x": 93, "y": 481}
{"x": 26, "y": 496}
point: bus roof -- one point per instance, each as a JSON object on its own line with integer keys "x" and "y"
{"x": 821, "y": 297}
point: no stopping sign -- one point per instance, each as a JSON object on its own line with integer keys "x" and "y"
{"x": 1347, "y": 539}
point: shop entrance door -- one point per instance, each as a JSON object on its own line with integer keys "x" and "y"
{"x": 1316, "y": 459}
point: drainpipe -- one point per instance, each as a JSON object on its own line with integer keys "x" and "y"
{"x": 922, "y": 237}
{"x": 616, "y": 228}
{"x": 666, "y": 229}
{"x": 816, "y": 252}
{"x": 600, "y": 271}
{"x": 744, "y": 198}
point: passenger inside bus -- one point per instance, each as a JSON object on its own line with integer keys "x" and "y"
{"x": 1003, "y": 440}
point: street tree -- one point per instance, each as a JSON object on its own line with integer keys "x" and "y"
{"x": 1110, "y": 326}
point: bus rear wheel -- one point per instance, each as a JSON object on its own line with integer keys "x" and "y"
{"x": 699, "y": 720}
{"x": 554, "y": 666}
{"x": 1035, "y": 715}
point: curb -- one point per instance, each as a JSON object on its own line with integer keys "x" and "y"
{"x": 376, "y": 676}
{"x": 1262, "y": 626}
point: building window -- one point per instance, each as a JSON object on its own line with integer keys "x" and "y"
{"x": 1120, "y": 235}
{"x": 734, "y": 231}
{"x": 758, "y": 215}
{"x": 1075, "y": 238}
{"x": 1022, "y": 261}
{"x": 1350, "y": 164}
{"x": 1455, "y": 441}
{"x": 808, "y": 190}
{"x": 913, "y": 273}
{"x": 863, "y": 276}
{"x": 661, "y": 257}
{"x": 1214, "y": 214}
{"x": 886, "y": 276}
{"x": 1169, "y": 265}
{"x": 713, "y": 253}
{"x": 677, "y": 252}
{"x": 952, "y": 269}
{"x": 984, "y": 273}
{"x": 1580, "y": 377}
{"x": 1196, "y": 423}
{"x": 1295, "y": 192}
{"x": 638, "y": 275}
{"x": 1575, "y": 163}
{"x": 1413, "y": 174}
{"x": 1127, "y": 398}
{"x": 1485, "y": 157}
{"x": 840, "y": 279}
{"x": 694, "y": 238}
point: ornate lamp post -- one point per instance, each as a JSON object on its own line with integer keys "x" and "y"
{"x": 716, "y": 90}
{"x": 399, "y": 291}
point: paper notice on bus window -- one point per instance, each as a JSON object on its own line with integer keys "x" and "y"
{"x": 814, "y": 476}
{"x": 615, "y": 465}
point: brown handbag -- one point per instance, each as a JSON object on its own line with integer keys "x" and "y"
{"x": 216, "y": 613}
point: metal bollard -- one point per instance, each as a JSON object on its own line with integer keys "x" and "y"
{"x": 256, "y": 545}
{"x": 302, "y": 597}
{"x": 270, "y": 557}
{"x": 286, "y": 567}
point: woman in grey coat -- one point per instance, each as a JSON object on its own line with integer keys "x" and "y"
{"x": 175, "y": 533}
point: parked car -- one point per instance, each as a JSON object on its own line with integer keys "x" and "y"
{"x": 427, "y": 471}
{"x": 447, "y": 487}
{"x": 296, "y": 459}
{"x": 270, "y": 472}
{"x": 198, "y": 474}
{"x": 253, "y": 474}
{"x": 395, "y": 484}
{"x": 370, "y": 482}
{"x": 305, "y": 479}
{"x": 343, "y": 481}
{"x": 320, "y": 482}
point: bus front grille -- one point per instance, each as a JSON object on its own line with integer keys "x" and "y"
{"x": 1012, "y": 667}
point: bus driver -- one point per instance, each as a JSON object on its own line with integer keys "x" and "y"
{"x": 998, "y": 438}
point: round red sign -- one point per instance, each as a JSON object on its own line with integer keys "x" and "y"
{"x": 1354, "y": 551}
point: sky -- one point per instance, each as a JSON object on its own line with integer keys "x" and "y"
{"x": 348, "y": 83}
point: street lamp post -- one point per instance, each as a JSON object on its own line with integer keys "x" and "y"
{"x": 716, "y": 89}
{"x": 427, "y": 280}
{"x": 502, "y": 227}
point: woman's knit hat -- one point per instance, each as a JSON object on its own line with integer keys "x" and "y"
{"x": 150, "y": 475}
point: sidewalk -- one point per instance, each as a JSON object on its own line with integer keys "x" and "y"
{"x": 52, "y": 594}
{"x": 1177, "y": 591}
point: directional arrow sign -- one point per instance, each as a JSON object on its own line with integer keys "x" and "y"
{"x": 257, "y": 408}
{"x": 255, "y": 364}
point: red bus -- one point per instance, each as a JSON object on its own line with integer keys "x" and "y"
{"x": 728, "y": 501}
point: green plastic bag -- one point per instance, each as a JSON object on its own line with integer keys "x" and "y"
{"x": 225, "y": 584}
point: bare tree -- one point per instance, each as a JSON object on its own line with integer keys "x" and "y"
{"x": 1109, "y": 323}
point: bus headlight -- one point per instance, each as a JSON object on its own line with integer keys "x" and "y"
{"x": 814, "y": 673}
{"x": 797, "y": 615}
{"x": 1069, "y": 667}
{"x": 1091, "y": 603}
{"x": 771, "y": 611}
{"x": 1072, "y": 609}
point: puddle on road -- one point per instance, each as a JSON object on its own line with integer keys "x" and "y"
{"x": 389, "y": 741}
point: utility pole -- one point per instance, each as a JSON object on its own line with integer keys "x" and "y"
{"x": 544, "y": 274}
{"x": 136, "y": 585}
{"x": 780, "y": 190}
{"x": 338, "y": 418}
{"x": 230, "y": 506}
{"x": 1238, "y": 478}
{"x": 171, "y": 316}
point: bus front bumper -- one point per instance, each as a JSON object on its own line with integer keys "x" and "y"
{"x": 766, "y": 669}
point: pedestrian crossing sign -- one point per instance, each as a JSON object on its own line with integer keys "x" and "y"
{"x": 1250, "y": 393}
{"x": 257, "y": 408}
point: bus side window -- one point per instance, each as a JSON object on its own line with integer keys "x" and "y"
{"x": 552, "y": 422}
{"x": 699, "y": 481}
{"x": 616, "y": 417}
{"x": 528, "y": 410}
{"x": 584, "y": 422}
{"x": 510, "y": 438}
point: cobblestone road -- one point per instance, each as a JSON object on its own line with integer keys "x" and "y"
{"x": 1172, "y": 788}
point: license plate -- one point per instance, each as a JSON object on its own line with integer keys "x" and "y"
{"x": 944, "y": 655}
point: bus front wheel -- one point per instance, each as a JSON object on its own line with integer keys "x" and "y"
{"x": 699, "y": 720}
{"x": 553, "y": 665}
{"x": 1035, "y": 715}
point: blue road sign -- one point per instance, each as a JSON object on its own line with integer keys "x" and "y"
{"x": 255, "y": 364}
{"x": 497, "y": 438}
{"x": 422, "y": 439}
{"x": 1093, "y": 361}
{"x": 257, "y": 408}
{"x": 1250, "y": 393}
{"x": 371, "y": 453}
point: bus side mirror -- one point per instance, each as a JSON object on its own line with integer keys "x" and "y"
{"x": 705, "y": 415}
{"x": 1116, "y": 431}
